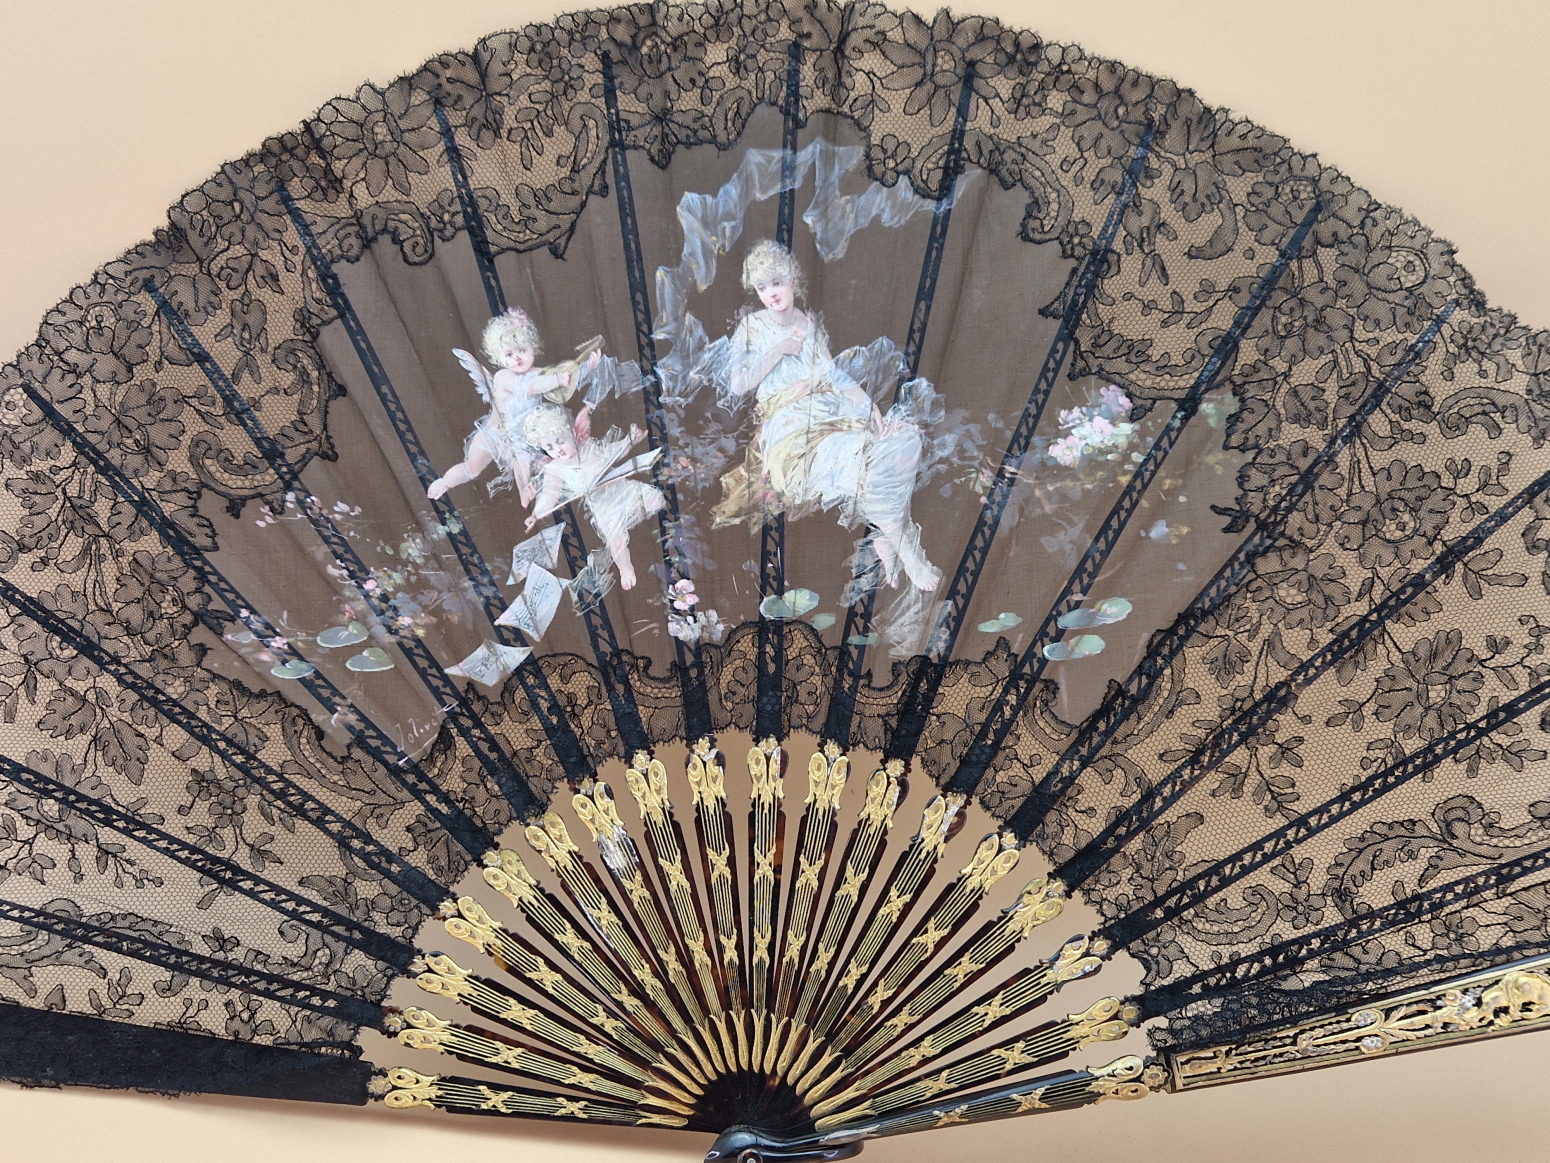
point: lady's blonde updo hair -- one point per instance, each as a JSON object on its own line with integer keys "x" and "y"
{"x": 766, "y": 259}
{"x": 511, "y": 329}
{"x": 545, "y": 424}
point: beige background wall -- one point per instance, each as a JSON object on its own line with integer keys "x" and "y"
{"x": 114, "y": 109}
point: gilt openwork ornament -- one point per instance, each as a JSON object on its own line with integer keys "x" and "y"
{"x": 1507, "y": 1000}
{"x": 811, "y": 988}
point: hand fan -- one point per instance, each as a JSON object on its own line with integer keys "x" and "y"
{"x": 978, "y": 475}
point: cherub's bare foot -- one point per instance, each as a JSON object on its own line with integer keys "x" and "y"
{"x": 626, "y": 573}
{"x": 438, "y": 488}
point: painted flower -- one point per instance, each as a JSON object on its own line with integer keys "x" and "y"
{"x": 712, "y": 628}
{"x": 1433, "y": 690}
{"x": 682, "y": 594}
{"x": 1397, "y": 519}
{"x": 1099, "y": 428}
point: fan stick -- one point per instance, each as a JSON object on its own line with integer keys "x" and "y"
{"x": 473, "y": 216}
{"x": 444, "y": 977}
{"x": 1124, "y": 701}
{"x": 1283, "y": 1006}
{"x": 407, "y": 1088}
{"x": 863, "y": 854}
{"x": 440, "y": 976}
{"x": 1196, "y": 890}
{"x": 1040, "y": 901}
{"x": 698, "y": 723}
{"x": 827, "y": 772}
{"x": 554, "y": 845}
{"x": 914, "y": 869}
{"x": 926, "y": 680}
{"x": 1224, "y": 740}
{"x": 546, "y": 707}
{"x": 285, "y": 792}
{"x": 858, "y": 615}
{"x": 514, "y": 881}
{"x": 1107, "y": 1020}
{"x": 647, "y": 781}
{"x": 475, "y": 733}
{"x": 407, "y": 771}
{"x": 769, "y": 697}
{"x": 993, "y": 859}
{"x": 474, "y": 925}
{"x": 1022, "y": 991}
{"x": 1129, "y": 1077}
{"x": 1420, "y": 908}
{"x": 505, "y": 872}
{"x": 992, "y": 733}
{"x": 766, "y": 829}
{"x": 230, "y": 974}
{"x": 713, "y": 824}
{"x": 420, "y": 1029}
{"x": 256, "y": 888}
{"x": 594, "y": 615}
{"x": 622, "y": 860}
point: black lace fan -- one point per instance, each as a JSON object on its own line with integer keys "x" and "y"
{"x": 966, "y": 474}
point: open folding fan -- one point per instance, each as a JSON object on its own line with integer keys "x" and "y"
{"x": 629, "y": 575}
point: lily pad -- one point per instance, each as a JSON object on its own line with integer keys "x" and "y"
{"x": 243, "y": 636}
{"x": 1082, "y": 646}
{"x": 1002, "y": 621}
{"x": 861, "y": 639}
{"x": 336, "y": 636}
{"x": 373, "y": 658}
{"x": 1113, "y": 609}
{"x": 823, "y": 621}
{"x": 1078, "y": 619}
{"x": 1098, "y": 614}
{"x": 791, "y": 604}
{"x": 296, "y": 668}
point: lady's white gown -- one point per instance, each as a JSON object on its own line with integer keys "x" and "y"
{"x": 820, "y": 443}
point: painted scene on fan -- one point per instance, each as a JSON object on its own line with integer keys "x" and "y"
{"x": 817, "y": 457}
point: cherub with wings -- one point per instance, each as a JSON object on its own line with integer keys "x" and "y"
{"x": 596, "y": 472}
{"x": 511, "y": 342}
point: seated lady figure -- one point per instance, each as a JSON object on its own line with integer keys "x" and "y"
{"x": 820, "y": 442}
